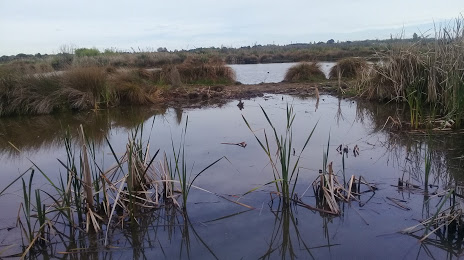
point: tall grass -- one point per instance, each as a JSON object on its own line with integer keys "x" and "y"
{"x": 205, "y": 72}
{"x": 304, "y": 72}
{"x": 423, "y": 74}
{"x": 88, "y": 200}
{"x": 348, "y": 68}
{"x": 285, "y": 171}
{"x": 86, "y": 87}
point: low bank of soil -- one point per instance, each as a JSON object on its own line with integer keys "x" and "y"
{"x": 194, "y": 94}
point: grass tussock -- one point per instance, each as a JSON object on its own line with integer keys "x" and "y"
{"x": 348, "y": 68}
{"x": 423, "y": 74}
{"x": 304, "y": 72}
{"x": 86, "y": 88}
{"x": 134, "y": 87}
{"x": 213, "y": 71}
{"x": 81, "y": 88}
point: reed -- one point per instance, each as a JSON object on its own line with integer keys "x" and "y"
{"x": 285, "y": 172}
{"x": 423, "y": 74}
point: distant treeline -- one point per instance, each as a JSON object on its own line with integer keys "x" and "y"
{"x": 270, "y": 53}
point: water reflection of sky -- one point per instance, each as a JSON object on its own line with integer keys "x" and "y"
{"x": 269, "y": 73}
{"x": 345, "y": 121}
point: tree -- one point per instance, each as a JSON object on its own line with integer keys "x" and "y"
{"x": 331, "y": 41}
{"x": 415, "y": 37}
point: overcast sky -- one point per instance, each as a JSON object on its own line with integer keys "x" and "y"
{"x": 43, "y": 26}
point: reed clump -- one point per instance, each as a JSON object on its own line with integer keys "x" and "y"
{"x": 134, "y": 87}
{"x": 197, "y": 71}
{"x": 285, "y": 171}
{"x": 348, "y": 68}
{"x": 304, "y": 72}
{"x": 77, "y": 89}
{"x": 86, "y": 87}
{"x": 88, "y": 199}
{"x": 422, "y": 74}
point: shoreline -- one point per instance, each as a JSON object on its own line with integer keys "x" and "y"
{"x": 198, "y": 94}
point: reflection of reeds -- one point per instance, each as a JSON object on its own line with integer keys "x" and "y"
{"x": 50, "y": 130}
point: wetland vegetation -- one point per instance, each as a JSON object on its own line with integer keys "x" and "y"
{"x": 166, "y": 190}
{"x": 308, "y": 177}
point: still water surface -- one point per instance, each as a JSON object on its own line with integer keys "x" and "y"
{"x": 367, "y": 229}
{"x": 270, "y": 73}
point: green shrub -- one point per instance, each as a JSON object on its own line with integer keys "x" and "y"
{"x": 85, "y": 52}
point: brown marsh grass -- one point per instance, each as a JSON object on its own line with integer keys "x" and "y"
{"x": 348, "y": 68}
{"x": 304, "y": 72}
{"x": 205, "y": 72}
{"x": 422, "y": 74}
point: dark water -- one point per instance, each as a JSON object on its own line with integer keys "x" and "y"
{"x": 217, "y": 228}
{"x": 270, "y": 73}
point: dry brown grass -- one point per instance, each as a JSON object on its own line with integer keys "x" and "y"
{"x": 348, "y": 68}
{"x": 86, "y": 87}
{"x": 422, "y": 74}
{"x": 200, "y": 72}
{"x": 133, "y": 87}
{"x": 303, "y": 72}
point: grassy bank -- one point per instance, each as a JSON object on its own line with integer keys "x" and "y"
{"x": 94, "y": 87}
{"x": 427, "y": 76}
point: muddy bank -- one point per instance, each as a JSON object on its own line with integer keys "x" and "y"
{"x": 198, "y": 94}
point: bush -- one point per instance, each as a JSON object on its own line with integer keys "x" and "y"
{"x": 304, "y": 72}
{"x": 84, "y": 52}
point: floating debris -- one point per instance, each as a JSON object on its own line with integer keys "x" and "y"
{"x": 241, "y": 144}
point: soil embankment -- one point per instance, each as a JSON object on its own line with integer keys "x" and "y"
{"x": 194, "y": 94}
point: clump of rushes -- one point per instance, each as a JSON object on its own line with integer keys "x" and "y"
{"x": 348, "y": 68}
{"x": 304, "y": 72}
{"x": 284, "y": 170}
{"x": 424, "y": 74}
{"x": 89, "y": 199}
{"x": 86, "y": 87}
{"x": 214, "y": 71}
{"x": 133, "y": 87}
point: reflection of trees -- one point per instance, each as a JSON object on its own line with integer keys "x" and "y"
{"x": 29, "y": 134}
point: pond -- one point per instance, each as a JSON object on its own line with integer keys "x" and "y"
{"x": 270, "y": 73}
{"x": 222, "y": 222}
